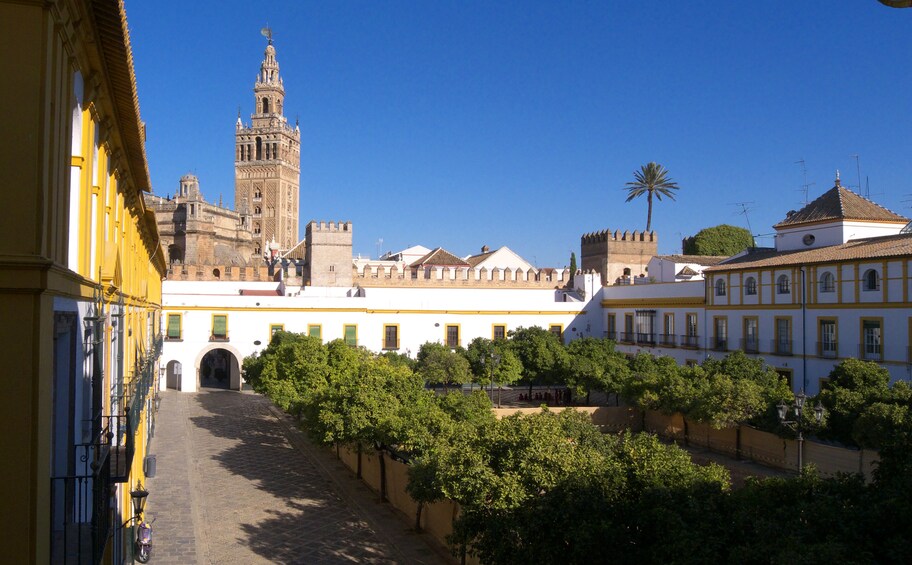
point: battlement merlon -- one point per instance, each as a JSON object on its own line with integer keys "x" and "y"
{"x": 314, "y": 226}
{"x": 606, "y": 235}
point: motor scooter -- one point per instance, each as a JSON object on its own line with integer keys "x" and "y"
{"x": 143, "y": 545}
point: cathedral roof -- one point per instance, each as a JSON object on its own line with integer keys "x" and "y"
{"x": 840, "y": 203}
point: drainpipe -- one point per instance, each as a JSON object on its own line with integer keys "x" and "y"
{"x": 804, "y": 374}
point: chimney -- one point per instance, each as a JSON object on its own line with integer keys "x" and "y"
{"x": 485, "y": 248}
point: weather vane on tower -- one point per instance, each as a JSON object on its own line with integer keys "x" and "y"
{"x": 267, "y": 33}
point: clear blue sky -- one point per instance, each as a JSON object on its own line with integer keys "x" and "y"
{"x": 460, "y": 124}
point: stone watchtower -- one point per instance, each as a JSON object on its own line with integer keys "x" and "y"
{"x": 267, "y": 162}
{"x": 618, "y": 257}
{"x": 328, "y": 254}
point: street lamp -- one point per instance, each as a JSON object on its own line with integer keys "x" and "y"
{"x": 495, "y": 361}
{"x": 138, "y": 498}
{"x": 798, "y": 423}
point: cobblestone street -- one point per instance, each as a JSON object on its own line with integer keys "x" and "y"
{"x": 238, "y": 484}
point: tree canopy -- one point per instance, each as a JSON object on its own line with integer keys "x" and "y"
{"x": 721, "y": 240}
{"x": 652, "y": 180}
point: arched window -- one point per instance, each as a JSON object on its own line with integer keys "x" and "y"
{"x": 827, "y": 282}
{"x": 256, "y": 209}
{"x": 720, "y": 287}
{"x": 750, "y": 286}
{"x": 782, "y": 284}
{"x": 257, "y": 193}
{"x": 259, "y": 149}
{"x": 626, "y": 271}
{"x": 256, "y": 227}
{"x": 871, "y": 281}
{"x": 265, "y": 105}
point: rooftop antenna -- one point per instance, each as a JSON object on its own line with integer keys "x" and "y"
{"x": 743, "y": 212}
{"x": 806, "y": 185}
{"x": 858, "y": 170}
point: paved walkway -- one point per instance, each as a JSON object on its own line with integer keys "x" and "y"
{"x": 238, "y": 484}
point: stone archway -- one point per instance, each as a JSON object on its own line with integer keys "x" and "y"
{"x": 173, "y": 372}
{"x": 218, "y": 366}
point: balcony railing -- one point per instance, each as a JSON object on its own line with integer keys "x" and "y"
{"x": 870, "y": 352}
{"x": 611, "y": 334}
{"x": 720, "y": 344}
{"x": 80, "y": 512}
{"x": 690, "y": 341}
{"x": 828, "y": 349}
{"x": 782, "y": 346}
{"x": 750, "y": 345}
{"x": 645, "y": 338}
{"x": 668, "y": 340}
{"x": 627, "y": 337}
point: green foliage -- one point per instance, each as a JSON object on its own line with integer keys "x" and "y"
{"x": 595, "y": 365}
{"x": 573, "y": 267}
{"x": 544, "y": 358}
{"x": 853, "y": 386}
{"x": 656, "y": 383}
{"x": 438, "y": 364}
{"x": 719, "y": 240}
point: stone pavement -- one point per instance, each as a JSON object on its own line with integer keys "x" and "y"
{"x": 238, "y": 483}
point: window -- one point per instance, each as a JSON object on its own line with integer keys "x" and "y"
{"x": 750, "y": 286}
{"x": 827, "y": 345}
{"x": 689, "y": 339}
{"x": 628, "y": 328}
{"x": 720, "y": 287}
{"x": 785, "y": 375}
{"x": 350, "y": 335}
{"x": 257, "y": 194}
{"x": 256, "y": 227}
{"x": 273, "y": 328}
{"x": 498, "y": 332}
{"x": 257, "y": 210}
{"x": 557, "y": 330}
{"x": 692, "y": 325}
{"x": 315, "y": 330}
{"x": 259, "y": 149}
{"x": 174, "y": 326}
{"x": 782, "y": 284}
{"x": 391, "y": 336}
{"x": 783, "y": 343}
{"x": 219, "y": 326}
{"x": 872, "y": 346}
{"x": 645, "y": 326}
{"x": 751, "y": 335}
{"x": 611, "y": 327}
{"x": 452, "y": 336}
{"x": 827, "y": 282}
{"x": 720, "y": 334}
{"x": 870, "y": 280}
{"x": 668, "y": 330}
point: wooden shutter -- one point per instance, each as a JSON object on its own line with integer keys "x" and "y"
{"x": 220, "y": 326}
{"x": 174, "y": 326}
{"x": 351, "y": 335}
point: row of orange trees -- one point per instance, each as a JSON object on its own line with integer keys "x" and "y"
{"x": 549, "y": 488}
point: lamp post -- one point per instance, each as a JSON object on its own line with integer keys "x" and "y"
{"x": 492, "y": 366}
{"x": 798, "y": 423}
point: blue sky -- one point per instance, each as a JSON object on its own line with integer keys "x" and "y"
{"x": 462, "y": 124}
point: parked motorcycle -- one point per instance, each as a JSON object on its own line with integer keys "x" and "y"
{"x": 143, "y": 545}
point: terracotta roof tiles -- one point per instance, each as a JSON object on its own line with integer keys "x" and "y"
{"x": 439, "y": 257}
{"x": 840, "y": 203}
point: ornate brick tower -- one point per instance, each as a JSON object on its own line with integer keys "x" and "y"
{"x": 267, "y": 161}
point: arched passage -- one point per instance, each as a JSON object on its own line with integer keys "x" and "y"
{"x": 174, "y": 371}
{"x": 218, "y": 366}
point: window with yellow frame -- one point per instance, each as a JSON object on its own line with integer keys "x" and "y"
{"x": 219, "y": 327}
{"x": 390, "y": 336}
{"x": 274, "y": 328}
{"x": 174, "y": 327}
{"x": 498, "y": 332}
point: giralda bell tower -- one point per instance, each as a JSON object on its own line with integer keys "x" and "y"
{"x": 267, "y": 161}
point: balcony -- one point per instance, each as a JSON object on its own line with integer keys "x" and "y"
{"x": 646, "y": 339}
{"x": 690, "y": 341}
{"x": 611, "y": 334}
{"x": 782, "y": 346}
{"x": 750, "y": 345}
{"x": 720, "y": 344}
{"x": 870, "y": 352}
{"x": 827, "y": 349}
{"x": 668, "y": 340}
{"x": 627, "y": 337}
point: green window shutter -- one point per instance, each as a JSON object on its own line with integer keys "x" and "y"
{"x": 314, "y": 331}
{"x": 174, "y": 326}
{"x": 351, "y": 335}
{"x": 220, "y": 326}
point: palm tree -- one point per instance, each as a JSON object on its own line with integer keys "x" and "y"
{"x": 651, "y": 179}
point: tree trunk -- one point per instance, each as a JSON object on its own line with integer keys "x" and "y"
{"x": 738, "y": 442}
{"x": 418, "y": 517}
{"x": 358, "y": 474}
{"x": 382, "y": 475}
{"x": 649, "y": 211}
{"x": 686, "y": 433}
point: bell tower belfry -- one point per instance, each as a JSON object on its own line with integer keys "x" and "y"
{"x": 267, "y": 160}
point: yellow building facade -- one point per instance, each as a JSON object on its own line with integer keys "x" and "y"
{"x": 81, "y": 271}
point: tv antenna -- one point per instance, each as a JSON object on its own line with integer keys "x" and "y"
{"x": 806, "y": 185}
{"x": 743, "y": 212}
{"x": 858, "y": 171}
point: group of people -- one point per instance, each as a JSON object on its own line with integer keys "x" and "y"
{"x": 557, "y": 397}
